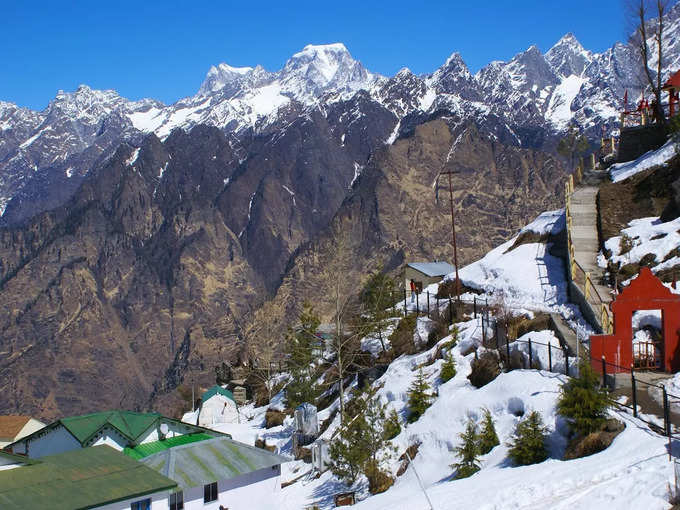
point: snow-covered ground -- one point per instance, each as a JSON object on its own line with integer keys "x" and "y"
{"x": 632, "y": 473}
{"x": 621, "y": 171}
{"x": 647, "y": 235}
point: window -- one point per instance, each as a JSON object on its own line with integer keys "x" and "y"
{"x": 144, "y": 504}
{"x": 210, "y": 492}
{"x": 177, "y": 501}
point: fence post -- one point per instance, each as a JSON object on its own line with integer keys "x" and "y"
{"x": 417, "y": 304}
{"x": 531, "y": 356}
{"x": 450, "y": 312}
{"x": 474, "y": 307}
{"x": 604, "y": 372}
{"x": 666, "y": 413}
{"x": 405, "y": 305}
{"x": 483, "y": 333}
{"x": 550, "y": 357}
{"x": 507, "y": 350}
{"x": 566, "y": 362}
{"x": 428, "y": 304}
{"x": 634, "y": 390}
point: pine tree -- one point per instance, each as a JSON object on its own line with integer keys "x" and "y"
{"x": 467, "y": 452}
{"x": 583, "y": 402}
{"x": 392, "y": 425}
{"x": 376, "y": 299}
{"x": 487, "y": 437}
{"x": 361, "y": 444}
{"x": 528, "y": 441}
{"x": 301, "y": 343}
{"x": 418, "y": 397}
{"x": 448, "y": 371}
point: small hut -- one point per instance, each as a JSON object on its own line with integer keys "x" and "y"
{"x": 426, "y": 273}
{"x": 217, "y": 406}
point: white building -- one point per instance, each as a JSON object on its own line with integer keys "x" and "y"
{"x": 14, "y": 427}
{"x": 118, "y": 429}
{"x": 221, "y": 472}
{"x": 98, "y": 477}
{"x": 217, "y": 406}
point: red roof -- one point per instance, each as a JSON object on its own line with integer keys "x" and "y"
{"x": 673, "y": 81}
{"x": 11, "y": 425}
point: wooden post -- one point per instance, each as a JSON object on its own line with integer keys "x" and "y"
{"x": 428, "y": 304}
{"x": 450, "y": 312}
{"x": 531, "y": 356}
{"x": 507, "y": 350}
{"x": 417, "y": 304}
{"x": 405, "y": 305}
{"x": 566, "y": 362}
{"x": 550, "y": 357}
{"x": 474, "y": 307}
{"x": 634, "y": 390}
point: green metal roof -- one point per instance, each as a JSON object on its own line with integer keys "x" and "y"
{"x": 144, "y": 450}
{"x": 79, "y": 479}
{"x": 200, "y": 463}
{"x": 130, "y": 424}
{"x": 14, "y": 458}
{"x": 217, "y": 390}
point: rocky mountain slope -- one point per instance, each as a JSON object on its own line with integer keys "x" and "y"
{"x": 43, "y": 155}
{"x": 145, "y": 236}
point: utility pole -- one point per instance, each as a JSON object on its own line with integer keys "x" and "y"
{"x": 453, "y": 232}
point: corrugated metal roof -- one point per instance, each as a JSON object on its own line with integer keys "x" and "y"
{"x": 79, "y": 479}
{"x": 433, "y": 268}
{"x": 14, "y": 458}
{"x": 214, "y": 391}
{"x": 197, "y": 464}
{"x": 130, "y": 424}
{"x": 145, "y": 449}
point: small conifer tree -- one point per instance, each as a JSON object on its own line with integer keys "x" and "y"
{"x": 467, "y": 452}
{"x": 448, "y": 368}
{"x": 418, "y": 397}
{"x": 583, "y": 402}
{"x": 392, "y": 425}
{"x": 487, "y": 437}
{"x": 528, "y": 441}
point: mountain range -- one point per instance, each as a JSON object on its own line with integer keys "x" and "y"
{"x": 140, "y": 240}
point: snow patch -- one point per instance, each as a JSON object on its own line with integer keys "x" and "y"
{"x": 621, "y": 171}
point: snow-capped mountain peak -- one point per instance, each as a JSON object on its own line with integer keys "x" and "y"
{"x": 317, "y": 68}
{"x": 223, "y": 76}
{"x": 568, "y": 57}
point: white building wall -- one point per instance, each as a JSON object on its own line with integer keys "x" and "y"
{"x": 112, "y": 438}
{"x": 174, "y": 429}
{"x": 218, "y": 409}
{"x": 56, "y": 440}
{"x": 259, "y": 490}
{"x": 159, "y": 501}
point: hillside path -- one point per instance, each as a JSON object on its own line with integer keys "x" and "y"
{"x": 584, "y": 230}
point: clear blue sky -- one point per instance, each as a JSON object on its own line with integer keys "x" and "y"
{"x": 163, "y": 49}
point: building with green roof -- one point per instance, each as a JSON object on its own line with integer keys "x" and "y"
{"x": 118, "y": 429}
{"x": 84, "y": 478}
{"x": 217, "y": 406}
{"x": 222, "y": 472}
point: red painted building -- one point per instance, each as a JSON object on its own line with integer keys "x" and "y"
{"x": 645, "y": 292}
